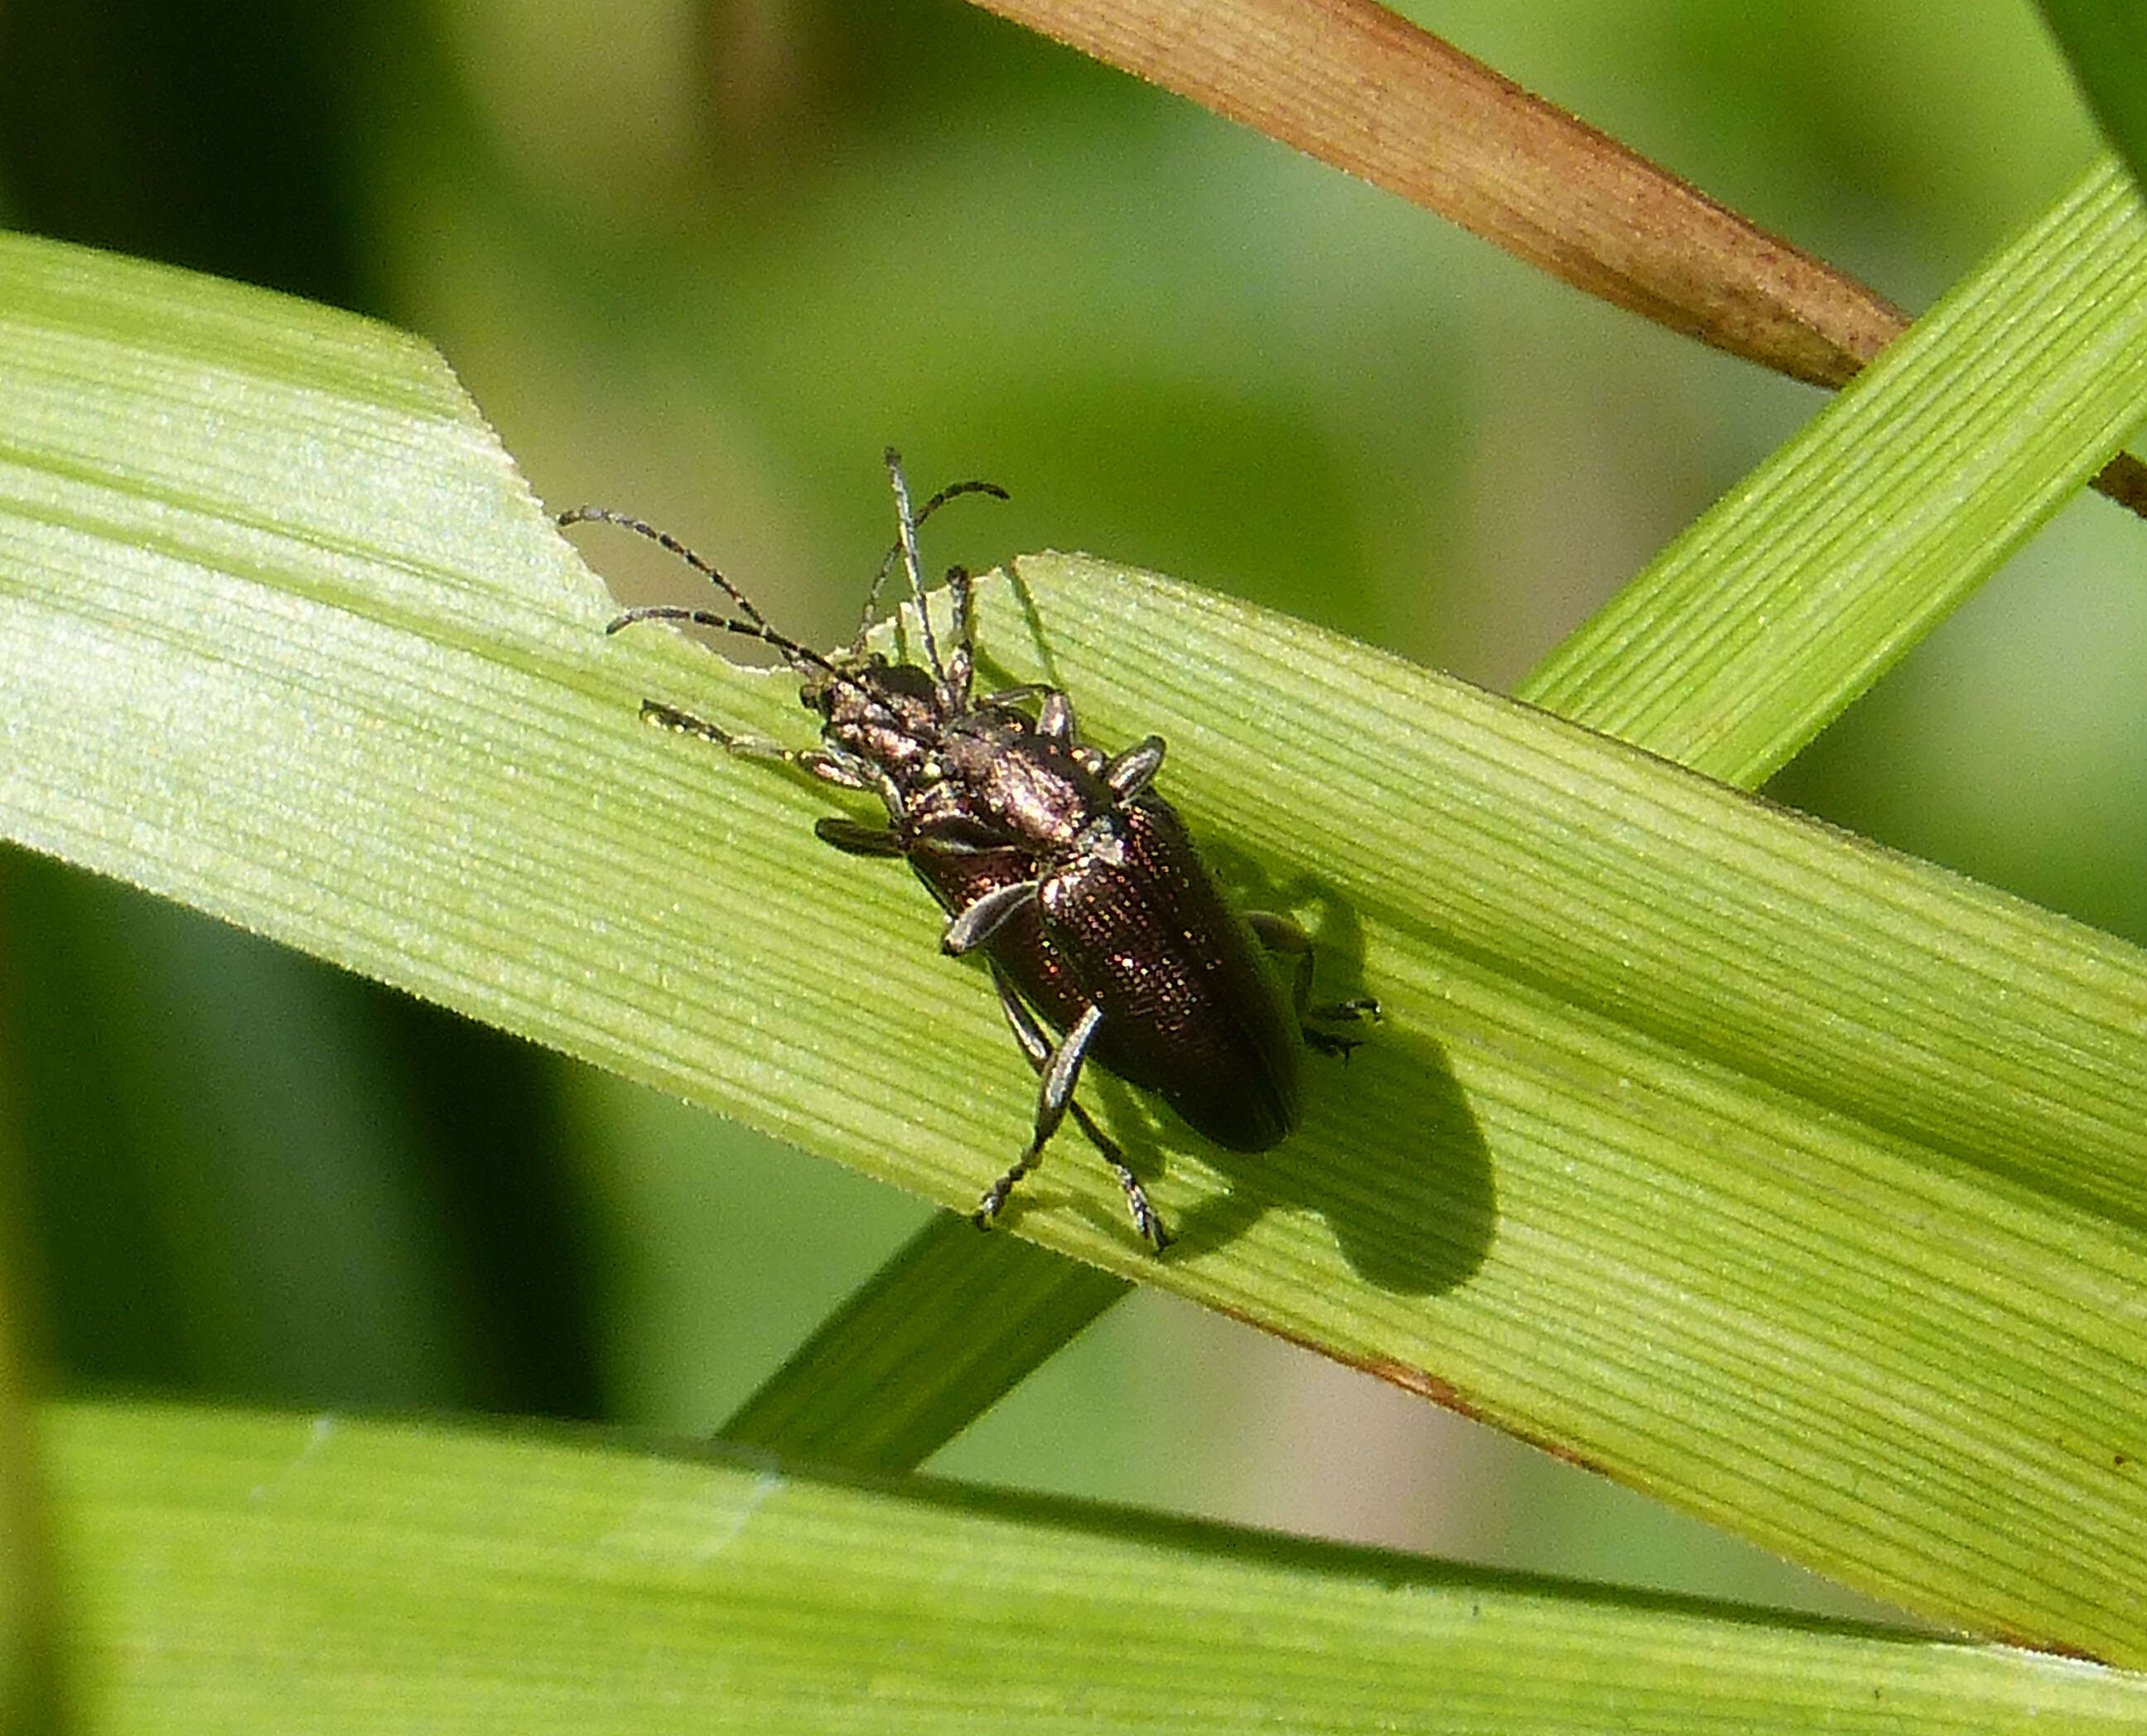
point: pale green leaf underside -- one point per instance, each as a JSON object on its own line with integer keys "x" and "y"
{"x": 942, "y": 1333}
{"x": 243, "y": 1573}
{"x": 1789, "y": 1180}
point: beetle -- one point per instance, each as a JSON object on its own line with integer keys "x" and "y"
{"x": 1105, "y": 933}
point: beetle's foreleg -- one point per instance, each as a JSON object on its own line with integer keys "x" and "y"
{"x": 836, "y": 769}
{"x": 1279, "y": 934}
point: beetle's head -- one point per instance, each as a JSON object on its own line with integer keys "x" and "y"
{"x": 868, "y": 688}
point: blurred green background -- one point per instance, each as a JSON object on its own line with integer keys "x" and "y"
{"x": 704, "y": 262}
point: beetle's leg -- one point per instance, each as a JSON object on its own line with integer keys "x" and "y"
{"x": 1054, "y": 718}
{"x": 1037, "y": 1047}
{"x": 962, "y": 661}
{"x": 853, "y": 839}
{"x": 1279, "y": 934}
{"x": 653, "y": 711}
{"x": 1061, "y": 1069}
{"x": 986, "y": 916}
{"x": 1329, "y": 1042}
{"x": 1054, "y": 715}
{"x": 843, "y": 769}
{"x": 1133, "y": 770}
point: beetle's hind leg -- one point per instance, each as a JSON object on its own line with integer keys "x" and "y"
{"x": 1060, "y": 1069}
{"x": 1279, "y": 934}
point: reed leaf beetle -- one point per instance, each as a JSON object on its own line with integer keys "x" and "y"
{"x": 1105, "y": 933}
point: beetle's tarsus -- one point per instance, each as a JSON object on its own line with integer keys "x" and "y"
{"x": 995, "y": 1196}
{"x": 1281, "y": 936}
{"x": 1146, "y": 1221}
{"x": 1333, "y": 1042}
{"x": 1144, "y": 1218}
{"x": 669, "y": 717}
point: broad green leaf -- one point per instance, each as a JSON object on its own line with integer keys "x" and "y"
{"x": 1747, "y": 637}
{"x": 244, "y": 1573}
{"x": 1789, "y": 1180}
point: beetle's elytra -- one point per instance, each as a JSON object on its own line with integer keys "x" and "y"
{"x": 1104, "y": 931}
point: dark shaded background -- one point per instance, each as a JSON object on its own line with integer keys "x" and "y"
{"x": 704, "y": 262}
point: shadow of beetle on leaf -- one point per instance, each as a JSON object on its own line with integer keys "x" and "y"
{"x": 1415, "y": 1210}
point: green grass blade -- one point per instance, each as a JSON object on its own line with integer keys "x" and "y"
{"x": 946, "y": 1327}
{"x": 2106, "y": 42}
{"x": 1791, "y": 1181}
{"x": 243, "y": 1572}
{"x": 1812, "y": 578}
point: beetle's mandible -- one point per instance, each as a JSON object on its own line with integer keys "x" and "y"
{"x": 1057, "y": 863}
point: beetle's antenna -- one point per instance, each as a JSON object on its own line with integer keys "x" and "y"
{"x": 669, "y": 544}
{"x": 906, "y": 522}
{"x": 953, "y": 491}
{"x": 753, "y": 626}
{"x": 794, "y": 654}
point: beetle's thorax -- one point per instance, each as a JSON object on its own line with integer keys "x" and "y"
{"x": 1026, "y": 788}
{"x": 975, "y": 774}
